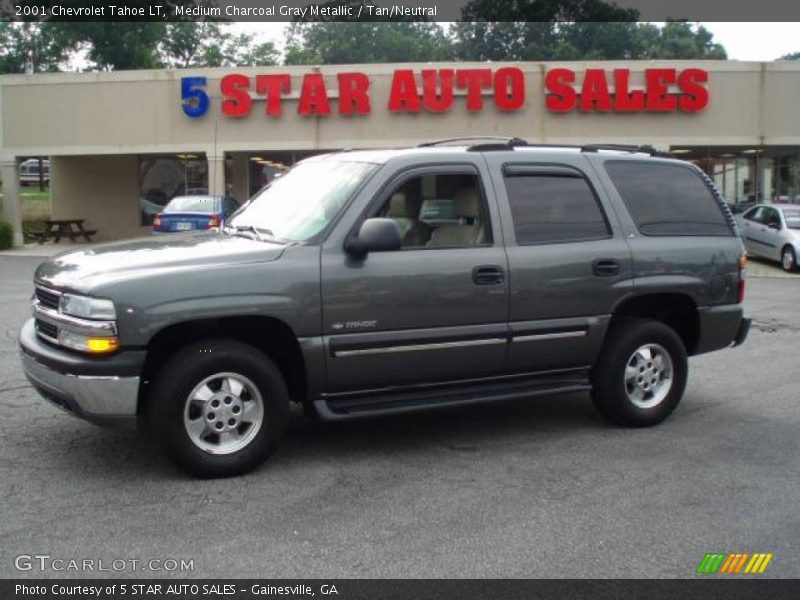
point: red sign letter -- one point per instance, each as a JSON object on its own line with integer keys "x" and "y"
{"x": 695, "y": 96}
{"x": 237, "y": 101}
{"x": 353, "y": 94}
{"x": 313, "y": 96}
{"x": 272, "y": 86}
{"x": 504, "y": 98}
{"x": 431, "y": 100}
{"x": 625, "y": 100}
{"x": 474, "y": 80}
{"x": 594, "y": 95}
{"x": 658, "y": 97}
{"x": 561, "y": 96}
{"x": 404, "y": 95}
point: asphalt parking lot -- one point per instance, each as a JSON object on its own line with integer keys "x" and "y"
{"x": 538, "y": 488}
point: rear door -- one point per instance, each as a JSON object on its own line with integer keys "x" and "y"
{"x": 568, "y": 260}
{"x": 753, "y": 226}
{"x": 771, "y": 232}
{"x": 433, "y": 312}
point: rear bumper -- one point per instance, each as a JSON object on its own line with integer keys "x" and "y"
{"x": 83, "y": 390}
{"x": 744, "y": 329}
{"x": 722, "y": 327}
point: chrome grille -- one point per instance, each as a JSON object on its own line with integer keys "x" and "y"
{"x": 47, "y": 330}
{"x": 47, "y": 298}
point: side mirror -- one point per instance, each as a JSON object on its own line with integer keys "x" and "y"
{"x": 774, "y": 225}
{"x": 375, "y": 235}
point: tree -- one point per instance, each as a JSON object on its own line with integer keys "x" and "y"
{"x": 679, "y": 40}
{"x": 119, "y": 45}
{"x": 205, "y": 44}
{"x": 365, "y": 42}
{"x": 792, "y": 56}
{"x": 530, "y": 29}
{"x": 33, "y": 47}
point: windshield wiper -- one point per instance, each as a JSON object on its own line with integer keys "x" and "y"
{"x": 262, "y": 234}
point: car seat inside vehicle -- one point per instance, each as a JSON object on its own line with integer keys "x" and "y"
{"x": 466, "y": 226}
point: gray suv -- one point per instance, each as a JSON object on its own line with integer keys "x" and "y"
{"x": 378, "y": 282}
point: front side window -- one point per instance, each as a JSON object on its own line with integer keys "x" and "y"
{"x": 553, "y": 208}
{"x": 299, "y": 205}
{"x": 439, "y": 211}
{"x": 772, "y": 218}
{"x": 667, "y": 199}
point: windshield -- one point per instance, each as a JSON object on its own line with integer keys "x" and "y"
{"x": 300, "y": 204}
{"x": 792, "y": 217}
{"x": 201, "y": 204}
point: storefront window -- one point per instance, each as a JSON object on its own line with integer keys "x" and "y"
{"x": 161, "y": 178}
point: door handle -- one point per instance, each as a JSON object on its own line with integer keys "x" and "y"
{"x": 605, "y": 267}
{"x": 488, "y": 275}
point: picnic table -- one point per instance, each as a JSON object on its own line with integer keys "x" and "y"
{"x": 55, "y": 229}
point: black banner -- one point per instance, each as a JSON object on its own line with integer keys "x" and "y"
{"x": 400, "y": 10}
{"x": 419, "y": 589}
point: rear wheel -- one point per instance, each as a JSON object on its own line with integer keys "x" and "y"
{"x": 788, "y": 259}
{"x": 640, "y": 376}
{"x": 219, "y": 407}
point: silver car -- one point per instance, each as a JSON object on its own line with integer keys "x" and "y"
{"x": 772, "y": 231}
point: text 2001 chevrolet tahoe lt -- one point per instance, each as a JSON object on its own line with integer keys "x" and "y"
{"x": 376, "y": 282}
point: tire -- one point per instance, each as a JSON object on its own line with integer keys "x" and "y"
{"x": 641, "y": 373}
{"x": 237, "y": 390}
{"x": 788, "y": 259}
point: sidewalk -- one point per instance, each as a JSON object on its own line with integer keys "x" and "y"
{"x": 44, "y": 250}
{"x": 757, "y": 267}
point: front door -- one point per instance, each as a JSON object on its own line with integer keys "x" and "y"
{"x": 434, "y": 311}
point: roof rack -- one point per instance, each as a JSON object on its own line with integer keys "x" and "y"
{"x": 505, "y": 141}
{"x": 499, "y": 143}
{"x": 645, "y": 149}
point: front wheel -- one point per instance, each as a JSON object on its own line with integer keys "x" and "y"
{"x": 788, "y": 259}
{"x": 641, "y": 374}
{"x": 219, "y": 407}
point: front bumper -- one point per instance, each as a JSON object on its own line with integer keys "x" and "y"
{"x": 82, "y": 387}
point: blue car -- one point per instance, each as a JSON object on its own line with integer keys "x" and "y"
{"x": 194, "y": 213}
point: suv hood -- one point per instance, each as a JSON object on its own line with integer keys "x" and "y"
{"x": 84, "y": 270}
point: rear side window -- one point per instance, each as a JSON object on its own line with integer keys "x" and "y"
{"x": 666, "y": 199}
{"x": 553, "y": 207}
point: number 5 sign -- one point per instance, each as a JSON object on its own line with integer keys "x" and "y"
{"x": 193, "y": 94}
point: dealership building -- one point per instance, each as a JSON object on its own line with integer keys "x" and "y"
{"x": 121, "y": 144}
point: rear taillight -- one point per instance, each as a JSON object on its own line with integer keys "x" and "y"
{"x": 157, "y": 222}
{"x": 742, "y": 275}
{"x": 214, "y": 221}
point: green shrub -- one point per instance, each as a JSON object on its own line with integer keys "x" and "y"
{"x": 6, "y": 235}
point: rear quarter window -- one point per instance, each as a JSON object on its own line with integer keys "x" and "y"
{"x": 667, "y": 199}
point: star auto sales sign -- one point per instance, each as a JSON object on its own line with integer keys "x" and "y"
{"x": 665, "y": 90}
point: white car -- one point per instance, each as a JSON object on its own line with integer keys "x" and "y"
{"x": 772, "y": 231}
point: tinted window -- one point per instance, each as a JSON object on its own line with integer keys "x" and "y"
{"x": 553, "y": 208}
{"x": 666, "y": 199}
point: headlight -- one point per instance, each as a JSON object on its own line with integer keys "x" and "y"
{"x": 88, "y": 343}
{"x": 88, "y": 308}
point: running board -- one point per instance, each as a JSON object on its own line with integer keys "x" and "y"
{"x": 396, "y": 401}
